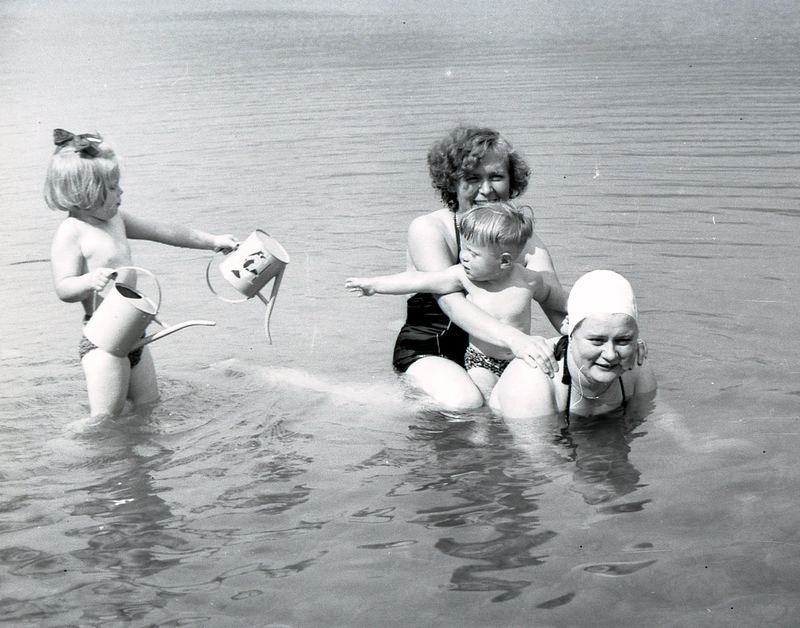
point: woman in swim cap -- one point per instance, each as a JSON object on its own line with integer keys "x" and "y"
{"x": 600, "y": 372}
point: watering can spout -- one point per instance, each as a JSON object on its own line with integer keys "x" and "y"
{"x": 170, "y": 330}
{"x": 270, "y": 302}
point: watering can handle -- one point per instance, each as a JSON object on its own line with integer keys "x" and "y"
{"x": 137, "y": 269}
{"x": 146, "y": 272}
{"x": 210, "y": 287}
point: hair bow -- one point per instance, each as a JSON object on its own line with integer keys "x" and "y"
{"x": 85, "y": 143}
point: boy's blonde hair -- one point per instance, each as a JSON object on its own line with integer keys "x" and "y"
{"x": 79, "y": 179}
{"x": 500, "y": 224}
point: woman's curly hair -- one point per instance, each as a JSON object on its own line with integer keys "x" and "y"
{"x": 461, "y": 150}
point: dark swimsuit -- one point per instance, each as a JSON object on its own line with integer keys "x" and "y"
{"x": 427, "y": 330}
{"x": 85, "y": 345}
{"x": 566, "y": 378}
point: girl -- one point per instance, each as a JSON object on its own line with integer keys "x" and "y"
{"x": 83, "y": 180}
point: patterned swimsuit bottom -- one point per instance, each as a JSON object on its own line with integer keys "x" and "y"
{"x": 85, "y": 345}
{"x": 474, "y": 358}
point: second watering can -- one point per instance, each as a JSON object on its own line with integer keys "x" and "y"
{"x": 249, "y": 268}
{"x": 118, "y": 324}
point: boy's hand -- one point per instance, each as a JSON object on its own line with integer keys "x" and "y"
{"x": 225, "y": 243}
{"x": 99, "y": 278}
{"x": 359, "y": 286}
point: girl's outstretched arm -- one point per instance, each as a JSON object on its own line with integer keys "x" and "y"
{"x": 176, "y": 234}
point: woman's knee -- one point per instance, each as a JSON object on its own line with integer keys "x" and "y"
{"x": 446, "y": 383}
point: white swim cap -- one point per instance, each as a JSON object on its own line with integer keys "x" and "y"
{"x": 600, "y": 292}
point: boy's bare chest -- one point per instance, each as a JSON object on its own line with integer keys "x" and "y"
{"x": 507, "y": 304}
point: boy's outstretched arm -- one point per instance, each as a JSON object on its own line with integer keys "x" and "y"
{"x": 441, "y": 282}
{"x": 176, "y": 235}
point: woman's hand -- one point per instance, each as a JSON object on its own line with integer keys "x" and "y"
{"x": 641, "y": 351}
{"x": 536, "y": 352}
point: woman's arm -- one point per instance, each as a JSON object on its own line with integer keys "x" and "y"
{"x": 554, "y": 305}
{"x": 552, "y": 300}
{"x": 645, "y": 382}
{"x": 176, "y": 234}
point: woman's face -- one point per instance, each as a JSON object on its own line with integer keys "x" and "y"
{"x": 488, "y": 181}
{"x": 604, "y": 345}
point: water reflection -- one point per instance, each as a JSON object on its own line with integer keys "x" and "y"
{"x": 476, "y": 474}
{"x": 599, "y": 448}
{"x": 128, "y": 538}
{"x": 489, "y": 485}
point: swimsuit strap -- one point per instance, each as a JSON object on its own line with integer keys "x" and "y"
{"x": 458, "y": 238}
{"x": 558, "y": 351}
{"x": 458, "y": 260}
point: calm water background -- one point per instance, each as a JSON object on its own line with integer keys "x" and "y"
{"x": 293, "y": 484}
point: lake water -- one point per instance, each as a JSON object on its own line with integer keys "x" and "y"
{"x": 293, "y": 484}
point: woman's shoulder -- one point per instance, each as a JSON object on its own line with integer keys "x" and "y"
{"x": 436, "y": 217}
{"x": 433, "y": 224}
{"x": 525, "y": 392}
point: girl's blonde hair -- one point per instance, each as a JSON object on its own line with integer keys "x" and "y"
{"x": 79, "y": 179}
{"x": 499, "y": 224}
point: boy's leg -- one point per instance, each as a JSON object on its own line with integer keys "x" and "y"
{"x": 484, "y": 379}
{"x": 144, "y": 385}
{"x": 107, "y": 378}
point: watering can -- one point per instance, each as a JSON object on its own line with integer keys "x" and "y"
{"x": 250, "y": 267}
{"x": 119, "y": 322}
